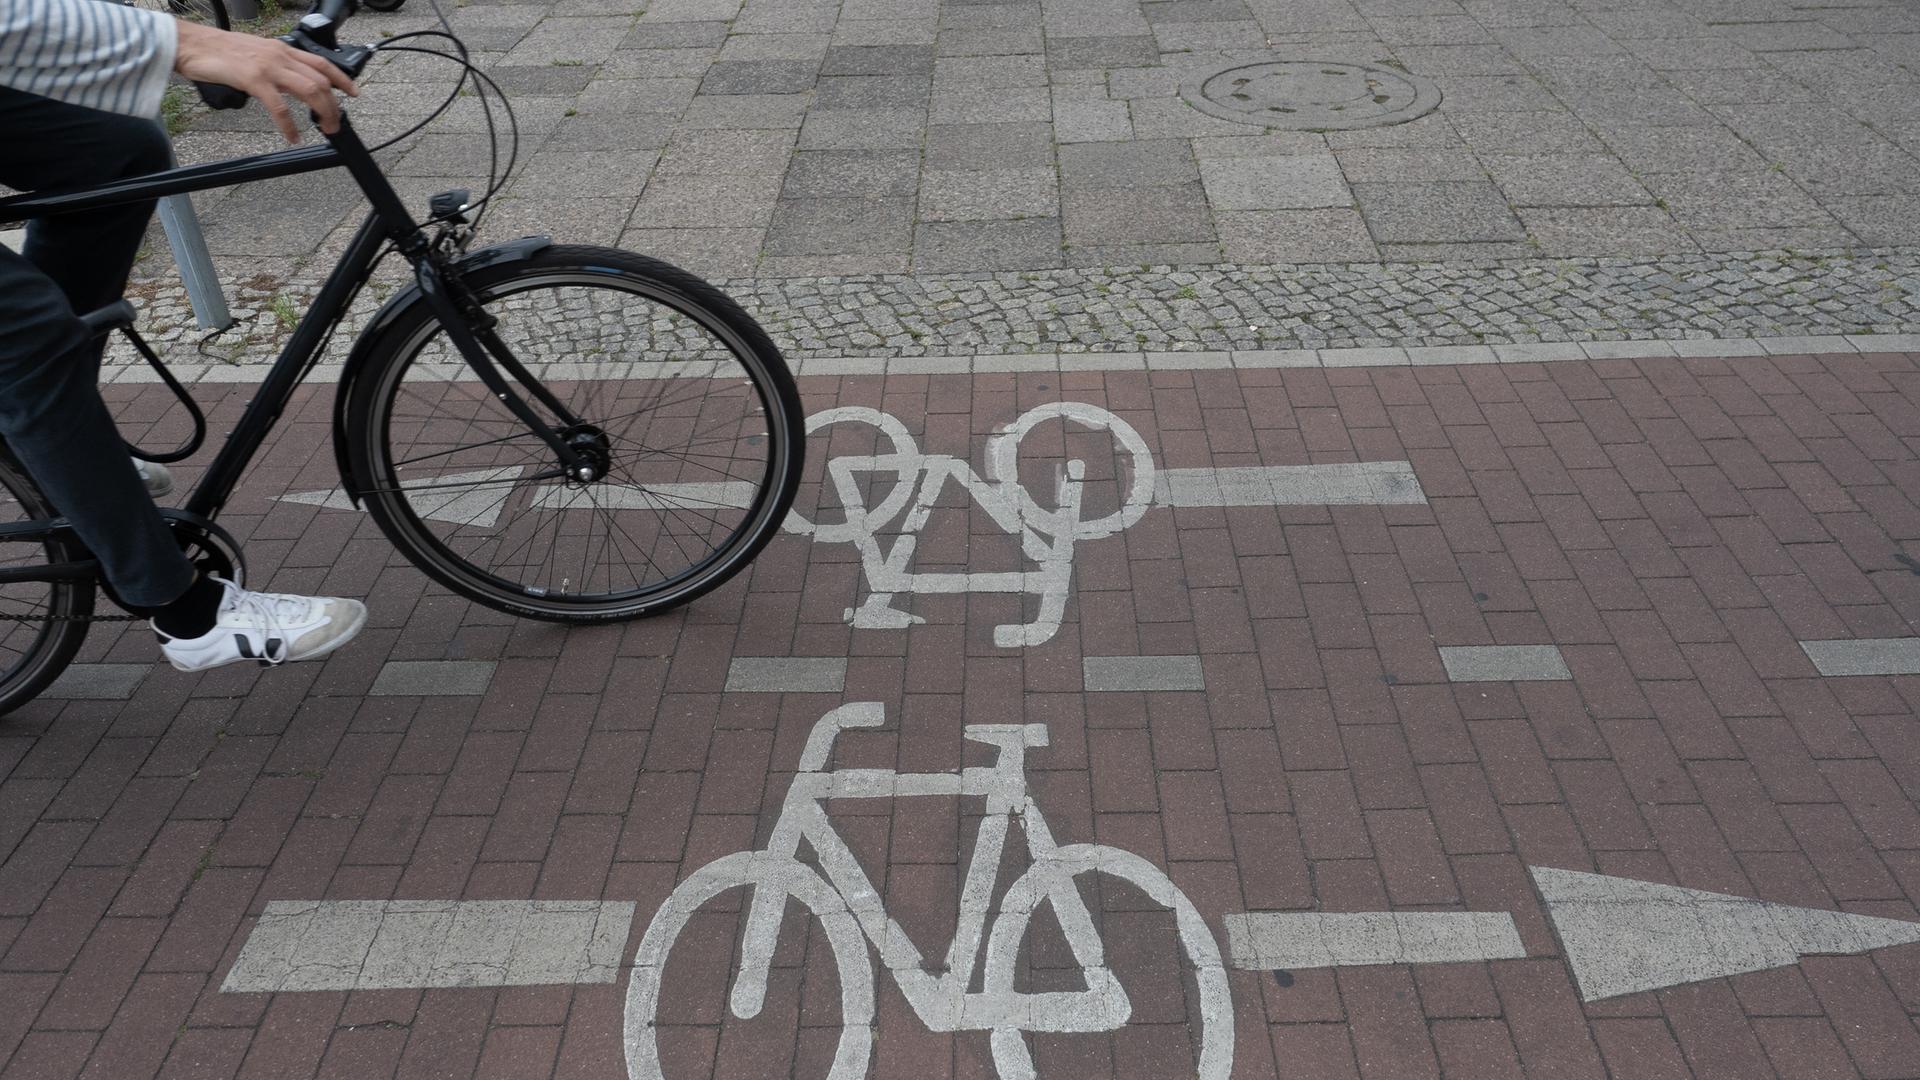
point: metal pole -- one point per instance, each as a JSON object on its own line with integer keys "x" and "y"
{"x": 196, "y": 266}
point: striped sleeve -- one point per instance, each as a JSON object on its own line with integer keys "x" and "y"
{"x": 98, "y": 53}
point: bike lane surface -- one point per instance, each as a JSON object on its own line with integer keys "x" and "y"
{"x": 1544, "y": 718}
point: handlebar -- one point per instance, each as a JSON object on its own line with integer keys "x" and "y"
{"x": 317, "y": 32}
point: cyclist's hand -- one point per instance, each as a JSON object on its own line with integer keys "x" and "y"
{"x": 266, "y": 69}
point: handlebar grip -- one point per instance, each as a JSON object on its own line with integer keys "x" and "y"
{"x": 218, "y": 96}
{"x": 334, "y": 11}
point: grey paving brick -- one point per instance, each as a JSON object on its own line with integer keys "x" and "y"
{"x": 840, "y": 226}
{"x": 710, "y": 253}
{"x": 1881, "y": 220}
{"x": 786, "y": 675}
{"x": 745, "y": 111}
{"x": 759, "y": 77}
{"x": 1730, "y": 199}
{"x": 1033, "y": 243}
{"x": 1137, "y": 673}
{"x": 732, "y": 152}
{"x": 810, "y": 47}
{"x": 985, "y": 194}
{"x": 1495, "y": 93}
{"x": 1275, "y": 183}
{"x": 1000, "y": 41}
{"x": 570, "y": 40}
{"x": 1138, "y": 164}
{"x": 1504, "y": 663}
{"x": 1783, "y": 36}
{"x": 1525, "y": 133}
{"x": 653, "y": 34}
{"x": 1158, "y": 215}
{"x": 1565, "y": 180}
{"x": 872, "y": 92}
{"x": 878, "y": 60}
{"x": 852, "y": 174}
{"x": 969, "y": 105}
{"x": 1295, "y": 236}
{"x": 1681, "y": 149}
{"x": 433, "y": 678}
{"x": 1390, "y": 165}
{"x": 1448, "y": 211}
{"x": 989, "y": 72}
{"x": 1091, "y": 121}
{"x": 1625, "y": 230}
{"x": 988, "y": 146}
{"x": 864, "y": 129}
{"x": 705, "y": 200}
{"x": 1101, "y": 52}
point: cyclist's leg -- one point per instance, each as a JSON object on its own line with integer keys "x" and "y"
{"x": 52, "y": 417}
{"x": 50, "y": 408}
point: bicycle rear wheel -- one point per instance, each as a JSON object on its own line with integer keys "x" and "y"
{"x": 683, "y": 398}
{"x": 41, "y": 622}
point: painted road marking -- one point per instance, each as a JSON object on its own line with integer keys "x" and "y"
{"x": 1624, "y": 936}
{"x": 786, "y": 675}
{"x": 433, "y": 678}
{"x": 1865, "y": 656}
{"x": 1142, "y": 673}
{"x": 97, "y": 682}
{"x": 464, "y": 498}
{"x": 1289, "y": 940}
{"x": 1504, "y": 663}
{"x": 425, "y": 944}
{"x": 1373, "y": 483}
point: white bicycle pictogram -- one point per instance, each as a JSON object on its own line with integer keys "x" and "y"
{"x": 1047, "y": 535}
{"x": 845, "y": 901}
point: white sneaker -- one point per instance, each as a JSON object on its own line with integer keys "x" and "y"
{"x": 271, "y": 628}
{"x": 157, "y": 477}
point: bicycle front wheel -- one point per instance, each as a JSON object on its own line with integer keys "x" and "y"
{"x": 42, "y": 623}
{"x": 681, "y": 398}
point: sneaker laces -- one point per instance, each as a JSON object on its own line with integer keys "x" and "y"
{"x": 268, "y": 608}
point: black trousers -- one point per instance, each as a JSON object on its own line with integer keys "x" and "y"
{"x": 51, "y": 414}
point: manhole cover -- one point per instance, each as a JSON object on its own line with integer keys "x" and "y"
{"x": 1303, "y": 95}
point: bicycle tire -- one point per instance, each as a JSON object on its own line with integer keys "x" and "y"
{"x": 383, "y": 5}
{"x": 582, "y": 281}
{"x": 51, "y": 647}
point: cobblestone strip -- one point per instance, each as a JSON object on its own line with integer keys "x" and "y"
{"x": 1255, "y": 307}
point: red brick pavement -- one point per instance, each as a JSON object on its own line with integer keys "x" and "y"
{"x": 1676, "y": 526}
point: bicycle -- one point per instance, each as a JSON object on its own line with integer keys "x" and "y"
{"x": 503, "y": 376}
{"x": 1047, "y": 534}
{"x": 841, "y": 896}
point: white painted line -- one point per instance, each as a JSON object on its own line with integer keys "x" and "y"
{"x": 787, "y": 675}
{"x": 463, "y": 498}
{"x": 1504, "y": 663}
{"x": 1370, "y": 483}
{"x": 1289, "y": 940}
{"x": 1112, "y": 673}
{"x": 1865, "y": 656}
{"x": 97, "y": 682}
{"x": 971, "y": 363}
{"x": 1624, "y": 936}
{"x": 426, "y": 944}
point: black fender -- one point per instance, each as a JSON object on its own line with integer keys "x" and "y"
{"x": 511, "y": 251}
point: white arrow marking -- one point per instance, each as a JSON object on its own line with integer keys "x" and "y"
{"x": 1289, "y": 940}
{"x": 468, "y": 498}
{"x": 415, "y": 944}
{"x": 1625, "y": 936}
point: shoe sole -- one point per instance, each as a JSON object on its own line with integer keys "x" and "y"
{"x": 352, "y": 632}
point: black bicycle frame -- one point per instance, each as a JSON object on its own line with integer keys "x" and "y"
{"x": 466, "y": 325}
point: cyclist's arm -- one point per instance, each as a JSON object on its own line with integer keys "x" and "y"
{"x": 98, "y": 54}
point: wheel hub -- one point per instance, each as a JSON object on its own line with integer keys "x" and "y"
{"x": 594, "y": 451}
